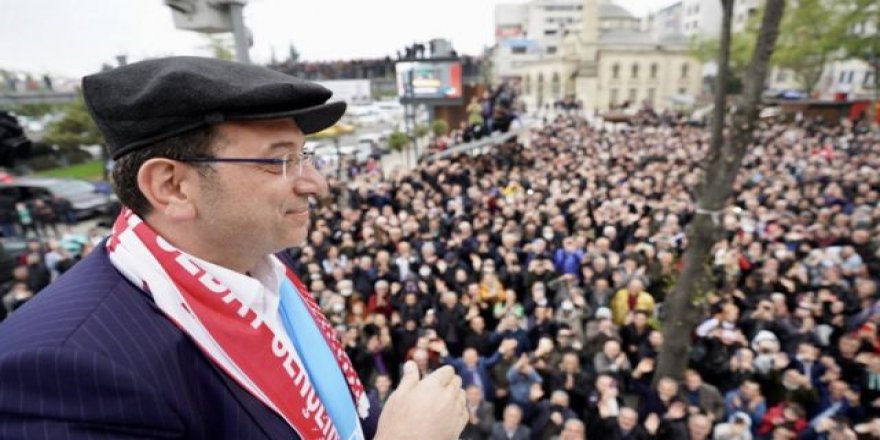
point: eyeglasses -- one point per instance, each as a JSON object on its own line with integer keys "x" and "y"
{"x": 287, "y": 165}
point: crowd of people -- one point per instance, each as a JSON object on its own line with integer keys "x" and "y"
{"x": 45, "y": 259}
{"x": 539, "y": 272}
{"x": 493, "y": 111}
{"x": 373, "y": 68}
{"x": 37, "y": 218}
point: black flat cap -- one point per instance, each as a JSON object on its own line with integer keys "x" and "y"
{"x": 145, "y": 102}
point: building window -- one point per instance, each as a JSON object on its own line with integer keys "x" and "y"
{"x": 527, "y": 87}
{"x": 868, "y": 83}
{"x": 518, "y": 50}
{"x": 615, "y": 71}
{"x": 654, "y": 68}
{"x": 682, "y": 91}
{"x": 858, "y": 28}
{"x": 613, "y": 101}
{"x": 551, "y": 50}
{"x": 782, "y": 75}
{"x": 635, "y": 71}
{"x": 550, "y": 32}
{"x": 633, "y": 96}
{"x": 849, "y": 79}
{"x": 684, "y": 70}
{"x": 554, "y": 85}
{"x": 842, "y": 78}
{"x": 650, "y": 98}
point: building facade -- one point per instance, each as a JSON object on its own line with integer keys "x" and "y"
{"x": 606, "y": 61}
{"x": 701, "y": 18}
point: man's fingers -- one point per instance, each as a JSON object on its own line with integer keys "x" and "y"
{"x": 410, "y": 376}
{"x": 455, "y": 383}
{"x": 442, "y": 375}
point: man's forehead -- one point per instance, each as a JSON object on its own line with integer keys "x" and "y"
{"x": 262, "y": 134}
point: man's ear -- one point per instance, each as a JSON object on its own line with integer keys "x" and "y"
{"x": 169, "y": 186}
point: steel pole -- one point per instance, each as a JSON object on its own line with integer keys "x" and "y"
{"x": 236, "y": 11}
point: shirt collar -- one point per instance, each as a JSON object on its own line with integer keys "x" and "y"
{"x": 259, "y": 290}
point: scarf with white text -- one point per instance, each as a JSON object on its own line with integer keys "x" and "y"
{"x": 231, "y": 334}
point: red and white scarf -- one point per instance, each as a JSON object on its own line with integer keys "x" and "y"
{"x": 231, "y": 334}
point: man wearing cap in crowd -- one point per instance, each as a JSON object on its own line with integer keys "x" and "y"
{"x": 185, "y": 324}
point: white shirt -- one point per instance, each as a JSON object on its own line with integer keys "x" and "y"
{"x": 260, "y": 292}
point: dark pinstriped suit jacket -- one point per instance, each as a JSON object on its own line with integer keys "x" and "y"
{"x": 91, "y": 357}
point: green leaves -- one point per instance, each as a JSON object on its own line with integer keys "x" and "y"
{"x": 809, "y": 37}
{"x": 859, "y": 27}
{"x": 439, "y": 127}
{"x": 398, "y": 141}
{"x": 76, "y": 128}
{"x": 812, "y": 34}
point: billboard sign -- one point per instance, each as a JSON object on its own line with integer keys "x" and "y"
{"x": 429, "y": 81}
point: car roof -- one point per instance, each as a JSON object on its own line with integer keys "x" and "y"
{"x": 40, "y": 182}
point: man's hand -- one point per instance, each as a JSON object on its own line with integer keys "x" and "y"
{"x": 507, "y": 345}
{"x": 439, "y": 347}
{"x": 652, "y": 423}
{"x": 645, "y": 366}
{"x": 676, "y": 411}
{"x": 435, "y": 405}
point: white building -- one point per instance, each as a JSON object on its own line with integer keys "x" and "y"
{"x": 701, "y": 18}
{"x": 743, "y": 10}
{"x": 666, "y": 21}
{"x": 851, "y": 78}
{"x": 606, "y": 60}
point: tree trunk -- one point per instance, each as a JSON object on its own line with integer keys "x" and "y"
{"x": 682, "y": 307}
{"x": 872, "y": 109}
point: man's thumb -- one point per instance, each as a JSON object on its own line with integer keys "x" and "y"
{"x": 410, "y": 376}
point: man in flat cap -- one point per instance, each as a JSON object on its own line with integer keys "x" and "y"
{"x": 185, "y": 324}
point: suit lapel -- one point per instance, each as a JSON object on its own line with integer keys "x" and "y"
{"x": 269, "y": 422}
{"x": 273, "y": 425}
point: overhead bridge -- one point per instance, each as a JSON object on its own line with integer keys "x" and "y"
{"x": 41, "y": 97}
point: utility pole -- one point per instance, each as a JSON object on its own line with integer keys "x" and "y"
{"x": 242, "y": 40}
{"x": 214, "y": 16}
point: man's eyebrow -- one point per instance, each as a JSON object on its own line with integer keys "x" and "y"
{"x": 283, "y": 145}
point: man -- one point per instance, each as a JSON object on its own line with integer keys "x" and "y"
{"x": 481, "y": 415}
{"x": 574, "y": 430}
{"x": 625, "y": 426}
{"x": 510, "y": 427}
{"x": 626, "y": 301}
{"x": 573, "y": 380}
{"x": 748, "y": 399}
{"x": 184, "y": 324}
{"x": 474, "y": 369}
{"x": 700, "y": 396}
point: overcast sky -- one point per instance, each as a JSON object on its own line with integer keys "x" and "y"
{"x": 75, "y": 37}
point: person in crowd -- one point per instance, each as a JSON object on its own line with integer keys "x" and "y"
{"x": 510, "y": 427}
{"x": 627, "y": 301}
{"x": 481, "y": 415}
{"x": 701, "y": 397}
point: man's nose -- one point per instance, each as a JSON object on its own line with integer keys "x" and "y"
{"x": 312, "y": 182}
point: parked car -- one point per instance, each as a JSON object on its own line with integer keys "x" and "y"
{"x": 374, "y": 141}
{"x": 85, "y": 198}
{"x": 364, "y": 116}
